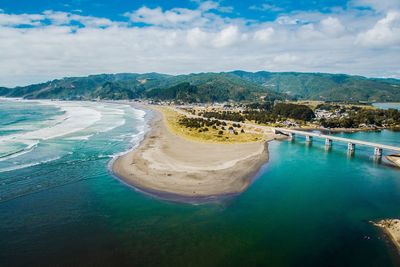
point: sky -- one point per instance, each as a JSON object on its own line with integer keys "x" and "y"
{"x": 47, "y": 39}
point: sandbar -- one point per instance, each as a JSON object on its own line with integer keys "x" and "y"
{"x": 395, "y": 159}
{"x": 168, "y": 163}
{"x": 391, "y": 227}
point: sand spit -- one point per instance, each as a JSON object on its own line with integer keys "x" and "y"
{"x": 167, "y": 163}
{"x": 392, "y": 228}
{"x": 395, "y": 159}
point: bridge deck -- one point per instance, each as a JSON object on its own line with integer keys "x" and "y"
{"x": 340, "y": 139}
{"x": 284, "y": 130}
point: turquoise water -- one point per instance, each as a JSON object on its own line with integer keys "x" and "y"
{"x": 387, "y": 105}
{"x": 307, "y": 207}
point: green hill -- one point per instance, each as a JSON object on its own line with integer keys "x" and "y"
{"x": 214, "y": 87}
{"x": 203, "y": 87}
{"x": 211, "y": 87}
{"x": 78, "y": 87}
{"x": 323, "y": 86}
{"x": 4, "y": 91}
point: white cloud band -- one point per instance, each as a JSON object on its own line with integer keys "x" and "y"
{"x": 37, "y": 47}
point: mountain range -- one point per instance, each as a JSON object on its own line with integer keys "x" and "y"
{"x": 215, "y": 87}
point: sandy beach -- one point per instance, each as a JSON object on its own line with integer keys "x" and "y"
{"x": 395, "y": 159}
{"x": 167, "y": 163}
{"x": 392, "y": 228}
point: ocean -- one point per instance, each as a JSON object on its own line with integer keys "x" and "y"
{"x": 59, "y": 204}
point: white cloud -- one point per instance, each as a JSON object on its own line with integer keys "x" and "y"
{"x": 385, "y": 32}
{"x": 266, "y": 7}
{"x": 227, "y": 36}
{"x": 22, "y": 19}
{"x": 89, "y": 21}
{"x": 332, "y": 26}
{"x": 285, "y": 58}
{"x": 288, "y": 20}
{"x": 208, "y": 5}
{"x": 212, "y": 5}
{"x": 182, "y": 17}
{"x": 196, "y": 40}
{"x": 58, "y": 18}
{"x": 264, "y": 35}
{"x": 196, "y": 37}
{"x": 379, "y": 5}
{"x": 157, "y": 16}
{"x": 225, "y": 9}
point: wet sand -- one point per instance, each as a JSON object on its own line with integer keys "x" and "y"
{"x": 167, "y": 163}
{"x": 395, "y": 159}
{"x": 392, "y": 228}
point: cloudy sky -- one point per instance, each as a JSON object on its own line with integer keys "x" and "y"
{"x": 47, "y": 39}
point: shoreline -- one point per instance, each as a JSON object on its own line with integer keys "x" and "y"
{"x": 391, "y": 228}
{"x": 394, "y": 159}
{"x": 171, "y": 167}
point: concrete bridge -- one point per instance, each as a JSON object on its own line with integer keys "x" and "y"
{"x": 351, "y": 143}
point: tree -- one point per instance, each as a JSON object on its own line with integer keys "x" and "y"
{"x": 293, "y": 111}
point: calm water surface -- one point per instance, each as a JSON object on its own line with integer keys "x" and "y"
{"x": 308, "y": 206}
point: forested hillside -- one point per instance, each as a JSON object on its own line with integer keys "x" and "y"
{"x": 322, "y": 86}
{"x": 214, "y": 87}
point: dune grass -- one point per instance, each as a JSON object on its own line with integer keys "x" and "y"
{"x": 210, "y": 136}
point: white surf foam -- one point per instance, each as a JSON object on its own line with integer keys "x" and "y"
{"x": 80, "y": 121}
{"x": 76, "y": 118}
{"x": 23, "y": 166}
{"x": 80, "y": 138}
{"x": 14, "y": 154}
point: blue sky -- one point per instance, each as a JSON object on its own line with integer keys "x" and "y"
{"x": 47, "y": 39}
{"x": 114, "y": 9}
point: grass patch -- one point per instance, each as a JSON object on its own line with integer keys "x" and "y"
{"x": 212, "y": 135}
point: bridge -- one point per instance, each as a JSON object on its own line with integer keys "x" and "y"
{"x": 351, "y": 143}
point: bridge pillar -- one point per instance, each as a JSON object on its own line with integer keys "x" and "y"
{"x": 291, "y": 136}
{"x": 351, "y": 147}
{"x": 328, "y": 142}
{"x": 378, "y": 152}
{"x": 308, "y": 138}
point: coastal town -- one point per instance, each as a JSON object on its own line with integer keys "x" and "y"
{"x": 316, "y": 115}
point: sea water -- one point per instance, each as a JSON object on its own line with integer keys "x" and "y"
{"x": 60, "y": 206}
